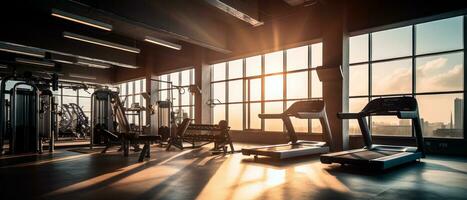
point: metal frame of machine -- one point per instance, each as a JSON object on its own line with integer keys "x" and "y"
{"x": 28, "y": 115}
{"x": 311, "y": 109}
{"x": 381, "y": 157}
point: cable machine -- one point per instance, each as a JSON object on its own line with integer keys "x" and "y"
{"x": 27, "y": 112}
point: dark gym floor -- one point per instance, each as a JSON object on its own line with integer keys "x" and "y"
{"x": 196, "y": 174}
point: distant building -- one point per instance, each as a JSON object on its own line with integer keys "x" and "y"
{"x": 451, "y": 133}
{"x": 404, "y": 122}
{"x": 458, "y": 113}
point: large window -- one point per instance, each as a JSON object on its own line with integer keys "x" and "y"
{"x": 423, "y": 60}
{"x": 81, "y": 97}
{"x": 182, "y": 100}
{"x": 130, "y": 93}
{"x": 269, "y": 83}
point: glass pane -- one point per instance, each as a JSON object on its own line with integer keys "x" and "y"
{"x": 255, "y": 89}
{"x": 316, "y": 126}
{"x": 316, "y": 55}
{"x": 356, "y": 105}
{"x": 300, "y": 125}
{"x": 255, "y": 121}
{"x": 392, "y": 43}
{"x": 138, "y": 99}
{"x": 185, "y": 112}
{"x": 273, "y": 62}
{"x": 253, "y": 66}
{"x": 192, "y": 112}
{"x": 192, "y": 76}
{"x": 69, "y": 92}
{"x": 218, "y": 91}
{"x": 175, "y": 97}
{"x": 443, "y": 72}
{"x": 297, "y": 58}
{"x": 316, "y": 86}
{"x": 143, "y": 85}
{"x": 273, "y": 87}
{"x": 129, "y": 101}
{"x": 67, "y": 100}
{"x": 358, "y": 49}
{"x": 163, "y": 85}
{"x": 186, "y": 97}
{"x": 218, "y": 72}
{"x": 297, "y": 85}
{"x": 236, "y": 116}
{"x": 185, "y": 77}
{"x": 442, "y": 115}
{"x": 390, "y": 126}
{"x": 218, "y": 113}
{"x": 138, "y": 86}
{"x": 236, "y": 69}
{"x": 123, "y": 89}
{"x": 85, "y": 93}
{"x": 163, "y": 95}
{"x": 358, "y": 80}
{"x": 175, "y": 78}
{"x": 130, "y": 87}
{"x": 273, "y": 124}
{"x": 441, "y": 35}
{"x": 236, "y": 91}
{"x": 393, "y": 77}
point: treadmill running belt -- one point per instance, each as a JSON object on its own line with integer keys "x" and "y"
{"x": 286, "y": 147}
{"x": 368, "y": 155}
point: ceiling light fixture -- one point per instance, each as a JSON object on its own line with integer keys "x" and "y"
{"x": 82, "y": 76}
{"x": 35, "y": 62}
{"x": 163, "y": 43}
{"x": 60, "y": 58}
{"x": 100, "y": 42}
{"x": 81, "y": 20}
{"x": 2, "y": 66}
{"x": 19, "y": 49}
{"x": 94, "y": 64}
{"x": 234, "y": 12}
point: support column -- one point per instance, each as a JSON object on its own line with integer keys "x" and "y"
{"x": 335, "y": 47}
{"x": 203, "y": 81}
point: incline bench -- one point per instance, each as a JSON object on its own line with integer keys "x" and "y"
{"x": 204, "y": 134}
{"x": 124, "y": 136}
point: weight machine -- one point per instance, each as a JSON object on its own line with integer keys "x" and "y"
{"x": 110, "y": 125}
{"x": 27, "y": 112}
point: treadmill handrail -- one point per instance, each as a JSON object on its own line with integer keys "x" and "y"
{"x": 271, "y": 116}
{"x": 407, "y": 114}
{"x": 308, "y": 115}
{"x": 341, "y": 115}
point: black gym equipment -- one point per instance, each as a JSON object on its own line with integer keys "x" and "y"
{"x": 110, "y": 125}
{"x": 199, "y": 135}
{"x": 311, "y": 109}
{"x": 27, "y": 113}
{"x": 380, "y": 157}
{"x": 73, "y": 121}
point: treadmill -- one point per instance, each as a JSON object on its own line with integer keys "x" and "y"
{"x": 310, "y": 109}
{"x": 381, "y": 157}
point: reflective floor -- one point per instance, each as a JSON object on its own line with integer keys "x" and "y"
{"x": 196, "y": 174}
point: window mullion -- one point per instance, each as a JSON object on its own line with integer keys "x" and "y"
{"x": 370, "y": 77}
{"x": 414, "y": 70}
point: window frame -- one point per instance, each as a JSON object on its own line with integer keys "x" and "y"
{"x": 246, "y": 87}
{"x": 413, "y": 58}
{"x": 179, "y": 105}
